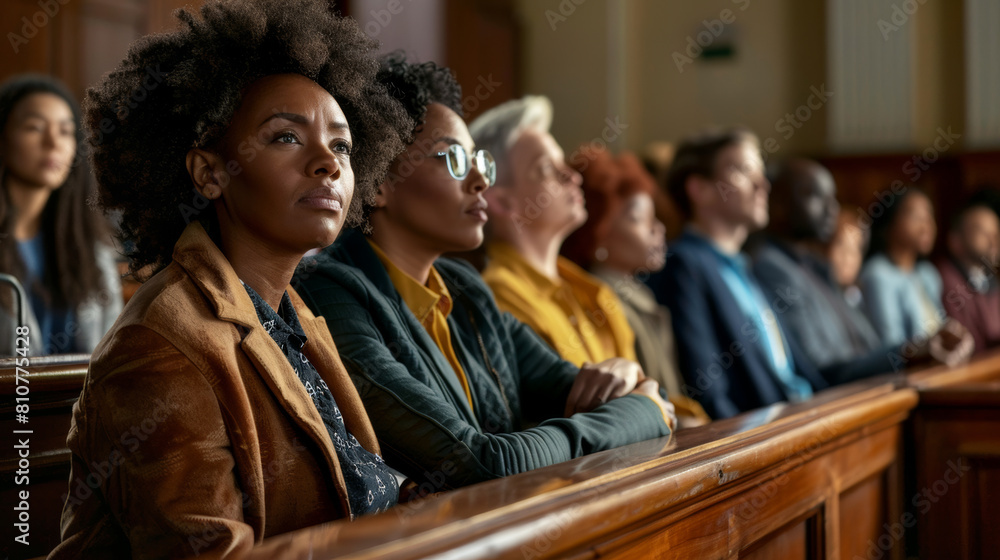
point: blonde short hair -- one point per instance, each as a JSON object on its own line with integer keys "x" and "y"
{"x": 499, "y": 128}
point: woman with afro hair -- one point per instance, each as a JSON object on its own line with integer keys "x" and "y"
{"x": 217, "y": 412}
{"x": 458, "y": 392}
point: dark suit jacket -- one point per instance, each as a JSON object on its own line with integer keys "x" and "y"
{"x": 818, "y": 317}
{"x": 720, "y": 352}
{"x": 418, "y": 408}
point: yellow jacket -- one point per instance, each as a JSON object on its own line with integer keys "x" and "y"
{"x": 578, "y": 315}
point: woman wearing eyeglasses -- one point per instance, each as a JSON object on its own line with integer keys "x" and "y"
{"x": 450, "y": 383}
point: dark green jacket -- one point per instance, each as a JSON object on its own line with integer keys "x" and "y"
{"x": 414, "y": 399}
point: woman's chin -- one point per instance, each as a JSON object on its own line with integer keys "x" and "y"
{"x": 470, "y": 241}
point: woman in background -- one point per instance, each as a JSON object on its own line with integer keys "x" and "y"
{"x": 902, "y": 290}
{"x": 50, "y": 240}
{"x": 621, "y": 242}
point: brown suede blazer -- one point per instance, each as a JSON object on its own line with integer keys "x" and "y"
{"x": 193, "y": 434}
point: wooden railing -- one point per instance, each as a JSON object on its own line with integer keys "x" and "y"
{"x": 821, "y": 479}
{"x": 810, "y": 480}
{"x": 838, "y": 476}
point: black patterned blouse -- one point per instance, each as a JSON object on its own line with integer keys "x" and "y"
{"x": 371, "y": 487}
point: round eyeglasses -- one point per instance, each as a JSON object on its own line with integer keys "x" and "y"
{"x": 458, "y": 163}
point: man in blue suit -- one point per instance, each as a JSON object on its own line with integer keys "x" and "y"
{"x": 733, "y": 351}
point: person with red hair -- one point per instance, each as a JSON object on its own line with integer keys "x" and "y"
{"x": 622, "y": 243}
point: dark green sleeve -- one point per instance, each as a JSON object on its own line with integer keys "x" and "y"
{"x": 423, "y": 436}
{"x": 544, "y": 378}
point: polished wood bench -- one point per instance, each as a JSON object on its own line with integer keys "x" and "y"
{"x": 829, "y": 478}
{"x": 812, "y": 480}
{"x": 955, "y": 487}
{"x": 833, "y": 477}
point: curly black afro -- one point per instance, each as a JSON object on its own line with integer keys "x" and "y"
{"x": 179, "y": 90}
{"x": 418, "y": 85}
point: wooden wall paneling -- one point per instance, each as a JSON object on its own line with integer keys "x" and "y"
{"x": 862, "y": 514}
{"x": 957, "y": 438}
{"x": 795, "y": 541}
{"x": 482, "y": 48}
{"x": 108, "y": 27}
{"x": 69, "y": 49}
{"x": 27, "y": 46}
{"x": 864, "y": 180}
{"x": 980, "y": 169}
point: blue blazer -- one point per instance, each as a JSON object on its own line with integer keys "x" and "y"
{"x": 719, "y": 351}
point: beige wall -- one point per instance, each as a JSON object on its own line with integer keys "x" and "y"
{"x": 613, "y": 58}
{"x": 568, "y": 64}
{"x": 779, "y": 57}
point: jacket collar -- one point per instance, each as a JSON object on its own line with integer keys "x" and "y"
{"x": 352, "y": 249}
{"x": 209, "y": 269}
{"x": 505, "y": 256}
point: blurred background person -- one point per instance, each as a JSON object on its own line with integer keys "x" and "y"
{"x": 968, "y": 274}
{"x": 902, "y": 289}
{"x": 622, "y": 243}
{"x": 793, "y": 268}
{"x": 732, "y": 349}
{"x": 846, "y": 254}
{"x": 50, "y": 239}
{"x": 536, "y": 203}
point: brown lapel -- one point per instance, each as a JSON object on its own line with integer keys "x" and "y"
{"x": 211, "y": 272}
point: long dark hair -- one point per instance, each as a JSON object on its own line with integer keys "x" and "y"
{"x": 71, "y": 226}
{"x": 881, "y": 225}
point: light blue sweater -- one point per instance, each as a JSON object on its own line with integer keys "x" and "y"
{"x": 895, "y": 299}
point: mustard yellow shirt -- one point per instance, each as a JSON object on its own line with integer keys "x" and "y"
{"x": 431, "y": 305}
{"x": 577, "y": 314}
